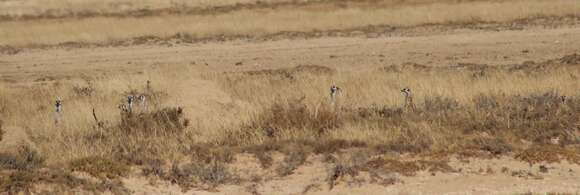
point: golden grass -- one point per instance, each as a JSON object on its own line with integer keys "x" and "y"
{"x": 472, "y": 110}
{"x": 255, "y": 94}
{"x": 263, "y": 22}
{"x": 34, "y": 7}
{"x": 70, "y": 8}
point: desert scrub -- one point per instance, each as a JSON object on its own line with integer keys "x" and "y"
{"x": 100, "y": 167}
{"x": 25, "y": 158}
{"x": 548, "y": 154}
{"x": 200, "y": 174}
{"x": 165, "y": 121}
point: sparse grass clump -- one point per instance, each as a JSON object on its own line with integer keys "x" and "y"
{"x": 295, "y": 116}
{"x": 25, "y": 158}
{"x": 166, "y": 121}
{"x": 200, "y": 174}
{"x": 100, "y": 167}
{"x": 295, "y": 156}
{"x": 549, "y": 154}
{"x": 24, "y": 181}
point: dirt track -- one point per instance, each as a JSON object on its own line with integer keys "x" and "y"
{"x": 353, "y": 53}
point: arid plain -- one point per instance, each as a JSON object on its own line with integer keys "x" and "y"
{"x": 233, "y": 97}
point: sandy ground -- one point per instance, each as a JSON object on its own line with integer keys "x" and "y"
{"x": 354, "y": 53}
{"x": 461, "y": 46}
{"x": 494, "y": 176}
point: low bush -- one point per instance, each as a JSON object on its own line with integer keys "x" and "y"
{"x": 100, "y": 167}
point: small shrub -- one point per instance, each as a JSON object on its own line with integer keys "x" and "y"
{"x": 409, "y": 141}
{"x": 166, "y": 121}
{"x": 296, "y": 115}
{"x": 193, "y": 174}
{"x": 19, "y": 181}
{"x": 440, "y": 104}
{"x": 495, "y": 146}
{"x": 262, "y": 152}
{"x": 291, "y": 162}
{"x": 100, "y": 167}
{"x": 25, "y": 159}
{"x": 407, "y": 168}
{"x": 549, "y": 154}
{"x": 339, "y": 171}
{"x": 486, "y": 102}
{"x": 350, "y": 165}
{"x": 113, "y": 186}
{"x": 22, "y": 181}
{"x": 153, "y": 167}
{"x": 208, "y": 153}
{"x": 326, "y": 146}
{"x": 404, "y": 168}
{"x": 83, "y": 90}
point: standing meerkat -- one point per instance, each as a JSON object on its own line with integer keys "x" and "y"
{"x": 409, "y": 104}
{"x": 58, "y": 110}
{"x": 334, "y": 91}
{"x": 130, "y": 99}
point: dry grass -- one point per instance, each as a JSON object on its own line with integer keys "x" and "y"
{"x": 467, "y": 109}
{"x": 72, "y": 7}
{"x": 259, "y": 23}
{"x": 27, "y": 9}
{"x": 100, "y": 167}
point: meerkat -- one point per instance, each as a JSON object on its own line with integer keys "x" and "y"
{"x": 563, "y": 99}
{"x": 58, "y": 110}
{"x": 58, "y": 106}
{"x": 334, "y": 90}
{"x": 409, "y": 105}
{"x": 129, "y": 106}
{"x": 142, "y": 99}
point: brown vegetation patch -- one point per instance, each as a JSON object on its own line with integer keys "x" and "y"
{"x": 20, "y": 173}
{"x": 100, "y": 167}
{"x": 185, "y": 9}
{"x": 210, "y": 153}
{"x": 548, "y": 154}
{"x": 199, "y": 174}
{"x": 482, "y": 70}
{"x": 494, "y": 146}
{"x": 295, "y": 115}
{"x": 408, "y": 168}
{"x": 292, "y": 73}
{"x": 166, "y": 121}
{"x": 8, "y": 50}
{"x": 25, "y": 158}
{"x": 24, "y": 181}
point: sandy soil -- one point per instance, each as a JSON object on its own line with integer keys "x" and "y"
{"x": 460, "y": 46}
{"x": 474, "y": 176}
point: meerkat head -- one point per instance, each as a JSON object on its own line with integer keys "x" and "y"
{"x": 563, "y": 98}
{"x": 406, "y": 91}
{"x": 334, "y": 89}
